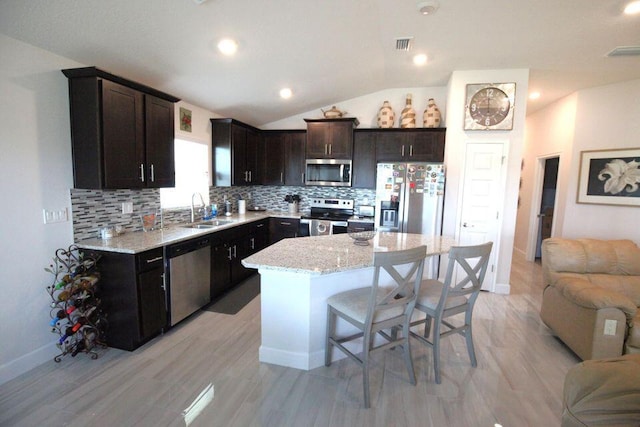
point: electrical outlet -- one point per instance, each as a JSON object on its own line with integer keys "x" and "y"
{"x": 52, "y": 216}
{"x": 127, "y": 207}
{"x": 610, "y": 326}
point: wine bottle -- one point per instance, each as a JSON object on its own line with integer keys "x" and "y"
{"x": 67, "y": 333}
{"x": 78, "y": 348}
{"x": 81, "y": 321}
{"x": 59, "y": 315}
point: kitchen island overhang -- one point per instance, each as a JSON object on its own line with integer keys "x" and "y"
{"x": 298, "y": 275}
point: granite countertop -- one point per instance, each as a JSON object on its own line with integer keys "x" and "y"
{"x": 330, "y": 254}
{"x": 136, "y": 242}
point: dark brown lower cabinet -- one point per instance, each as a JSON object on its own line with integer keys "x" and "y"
{"x": 282, "y": 228}
{"x": 355, "y": 226}
{"x": 220, "y": 270}
{"x": 132, "y": 287}
{"x": 133, "y": 296}
{"x": 230, "y": 247}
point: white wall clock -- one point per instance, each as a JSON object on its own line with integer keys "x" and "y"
{"x": 489, "y": 106}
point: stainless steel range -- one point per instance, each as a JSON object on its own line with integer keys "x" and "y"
{"x": 327, "y": 216}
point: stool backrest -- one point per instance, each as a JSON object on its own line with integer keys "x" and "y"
{"x": 400, "y": 297}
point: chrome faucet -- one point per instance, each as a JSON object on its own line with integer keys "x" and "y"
{"x": 193, "y": 208}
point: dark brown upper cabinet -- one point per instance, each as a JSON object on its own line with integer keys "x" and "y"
{"x": 237, "y": 148}
{"x": 410, "y": 145}
{"x": 122, "y": 132}
{"x": 283, "y": 157}
{"x": 364, "y": 159}
{"x": 330, "y": 138}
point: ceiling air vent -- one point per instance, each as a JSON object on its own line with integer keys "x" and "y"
{"x": 625, "y": 51}
{"x": 403, "y": 43}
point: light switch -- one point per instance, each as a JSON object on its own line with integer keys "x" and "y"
{"x": 51, "y": 216}
{"x": 127, "y": 207}
{"x": 610, "y": 326}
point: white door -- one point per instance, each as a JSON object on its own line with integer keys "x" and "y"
{"x": 482, "y": 200}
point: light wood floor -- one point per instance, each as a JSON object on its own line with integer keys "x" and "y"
{"x": 518, "y": 381}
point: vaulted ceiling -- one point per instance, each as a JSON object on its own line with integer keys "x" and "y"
{"x": 327, "y": 51}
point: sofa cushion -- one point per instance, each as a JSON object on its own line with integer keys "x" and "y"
{"x": 628, "y": 286}
{"x": 603, "y": 392}
{"x": 592, "y": 256}
{"x": 632, "y": 345}
{"x": 586, "y": 294}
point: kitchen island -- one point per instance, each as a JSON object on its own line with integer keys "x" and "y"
{"x": 298, "y": 275}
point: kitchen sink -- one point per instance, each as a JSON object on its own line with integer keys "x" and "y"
{"x": 209, "y": 224}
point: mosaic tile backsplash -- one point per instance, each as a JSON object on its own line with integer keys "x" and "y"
{"x": 95, "y": 209}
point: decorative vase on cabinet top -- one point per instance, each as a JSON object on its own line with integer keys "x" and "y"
{"x": 408, "y": 116}
{"x": 432, "y": 116}
{"x": 333, "y": 113}
{"x": 386, "y": 116}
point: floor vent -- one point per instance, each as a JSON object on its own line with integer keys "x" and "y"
{"x": 403, "y": 43}
{"x": 625, "y": 51}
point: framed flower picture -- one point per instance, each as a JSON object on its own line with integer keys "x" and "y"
{"x": 185, "y": 119}
{"x": 610, "y": 177}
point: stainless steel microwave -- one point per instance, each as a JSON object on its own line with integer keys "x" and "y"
{"x": 331, "y": 172}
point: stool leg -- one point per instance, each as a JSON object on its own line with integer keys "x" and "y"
{"x": 330, "y": 331}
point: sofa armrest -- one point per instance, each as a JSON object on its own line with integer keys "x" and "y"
{"x": 586, "y": 294}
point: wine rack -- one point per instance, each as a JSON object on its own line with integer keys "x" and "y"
{"x": 76, "y": 316}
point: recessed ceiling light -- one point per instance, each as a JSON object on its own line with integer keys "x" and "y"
{"x": 227, "y": 46}
{"x": 420, "y": 59}
{"x": 632, "y": 8}
{"x": 534, "y": 95}
{"x": 428, "y": 7}
{"x": 285, "y": 93}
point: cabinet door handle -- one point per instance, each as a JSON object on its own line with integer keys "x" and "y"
{"x": 411, "y": 150}
{"x": 259, "y": 225}
{"x": 326, "y": 149}
{"x": 235, "y": 252}
{"x": 142, "y": 172}
{"x": 402, "y": 154}
{"x": 281, "y": 178}
{"x": 230, "y": 257}
{"x": 250, "y": 177}
{"x": 164, "y": 283}
{"x": 246, "y": 174}
{"x": 153, "y": 176}
{"x": 253, "y": 243}
{"x": 329, "y": 149}
{"x": 285, "y": 223}
{"x": 149, "y": 261}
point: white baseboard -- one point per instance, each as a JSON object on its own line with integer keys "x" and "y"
{"x": 304, "y": 361}
{"x": 502, "y": 288}
{"x": 25, "y": 363}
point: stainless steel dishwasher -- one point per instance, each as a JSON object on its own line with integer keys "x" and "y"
{"x": 189, "y": 277}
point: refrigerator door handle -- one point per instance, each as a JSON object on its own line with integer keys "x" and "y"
{"x": 404, "y": 206}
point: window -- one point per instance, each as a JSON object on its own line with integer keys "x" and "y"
{"x": 192, "y": 175}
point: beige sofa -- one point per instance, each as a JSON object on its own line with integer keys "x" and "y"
{"x": 592, "y": 295}
{"x": 604, "y": 392}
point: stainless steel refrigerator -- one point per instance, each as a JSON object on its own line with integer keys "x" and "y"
{"x": 410, "y": 197}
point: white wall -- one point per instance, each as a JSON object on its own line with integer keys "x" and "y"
{"x": 455, "y": 150}
{"x": 607, "y": 117}
{"x": 35, "y": 174}
{"x": 549, "y": 133}
{"x": 200, "y": 128}
{"x": 366, "y": 107}
{"x": 592, "y": 119}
